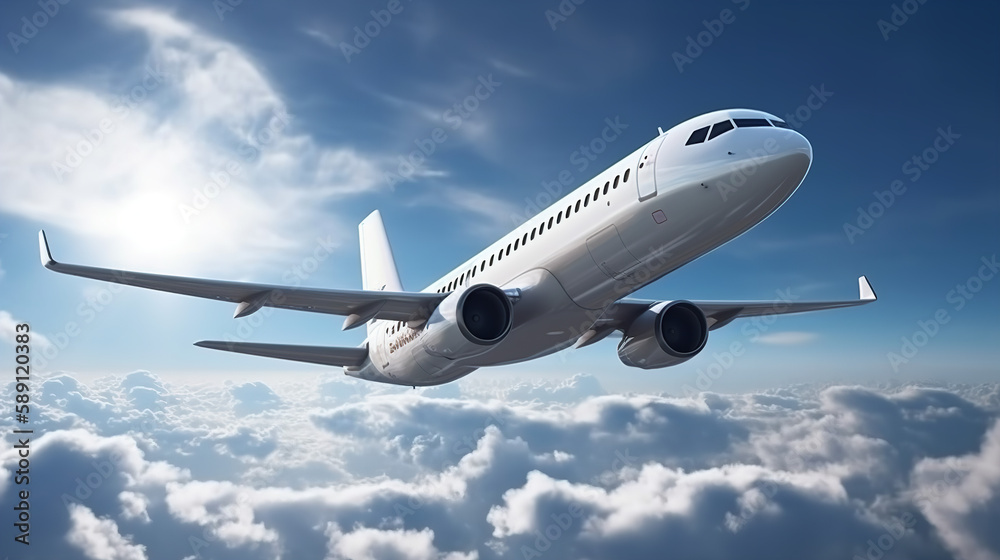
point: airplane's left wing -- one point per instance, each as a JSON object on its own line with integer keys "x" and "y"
{"x": 359, "y": 306}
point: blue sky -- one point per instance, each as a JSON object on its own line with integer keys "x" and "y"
{"x": 200, "y": 89}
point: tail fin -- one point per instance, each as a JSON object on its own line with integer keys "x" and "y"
{"x": 378, "y": 268}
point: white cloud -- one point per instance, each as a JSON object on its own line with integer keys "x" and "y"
{"x": 957, "y": 493}
{"x": 99, "y": 538}
{"x": 371, "y": 544}
{"x": 787, "y": 338}
{"x": 9, "y": 332}
{"x": 489, "y": 215}
{"x": 154, "y": 186}
{"x": 335, "y": 468}
{"x": 134, "y": 506}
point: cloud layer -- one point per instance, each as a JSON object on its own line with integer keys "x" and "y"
{"x": 137, "y": 467}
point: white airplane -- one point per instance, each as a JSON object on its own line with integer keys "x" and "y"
{"x": 560, "y": 279}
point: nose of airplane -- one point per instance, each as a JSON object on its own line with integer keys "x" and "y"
{"x": 795, "y": 156}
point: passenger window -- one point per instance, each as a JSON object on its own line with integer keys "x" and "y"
{"x": 541, "y": 228}
{"x": 525, "y": 238}
{"x": 697, "y": 137}
{"x": 606, "y": 185}
{"x": 482, "y": 267}
{"x": 569, "y": 209}
{"x": 500, "y": 255}
{"x": 597, "y": 191}
{"x": 508, "y": 250}
{"x": 720, "y": 127}
{"x": 577, "y": 209}
{"x": 616, "y": 181}
{"x": 533, "y": 233}
{"x": 516, "y": 243}
{"x": 586, "y": 201}
{"x": 550, "y": 223}
{"x": 625, "y": 178}
{"x": 491, "y": 260}
{"x": 559, "y": 218}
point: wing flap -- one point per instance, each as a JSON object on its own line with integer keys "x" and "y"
{"x": 325, "y": 355}
{"x": 393, "y": 306}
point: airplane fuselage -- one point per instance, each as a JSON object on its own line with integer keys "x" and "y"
{"x": 669, "y": 202}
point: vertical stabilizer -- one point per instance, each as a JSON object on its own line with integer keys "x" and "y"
{"x": 378, "y": 268}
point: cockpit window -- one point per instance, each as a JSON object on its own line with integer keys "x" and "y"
{"x": 744, "y": 123}
{"x": 698, "y": 136}
{"x": 720, "y": 127}
{"x": 779, "y": 123}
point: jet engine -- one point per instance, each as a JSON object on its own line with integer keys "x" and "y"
{"x": 666, "y": 334}
{"x": 468, "y": 322}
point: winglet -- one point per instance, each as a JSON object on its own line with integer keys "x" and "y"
{"x": 867, "y": 293}
{"x": 43, "y": 250}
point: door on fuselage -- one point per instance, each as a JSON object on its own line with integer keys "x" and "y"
{"x": 644, "y": 178}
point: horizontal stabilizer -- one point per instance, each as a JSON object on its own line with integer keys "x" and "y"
{"x": 325, "y": 355}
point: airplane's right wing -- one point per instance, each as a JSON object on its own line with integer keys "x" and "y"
{"x": 623, "y": 312}
{"x": 359, "y": 306}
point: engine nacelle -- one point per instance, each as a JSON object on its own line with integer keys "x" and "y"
{"x": 666, "y": 334}
{"x": 468, "y": 322}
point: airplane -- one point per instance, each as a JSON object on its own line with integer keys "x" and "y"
{"x": 561, "y": 278}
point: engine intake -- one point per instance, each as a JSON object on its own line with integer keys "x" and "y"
{"x": 467, "y": 323}
{"x": 484, "y": 315}
{"x": 666, "y": 334}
